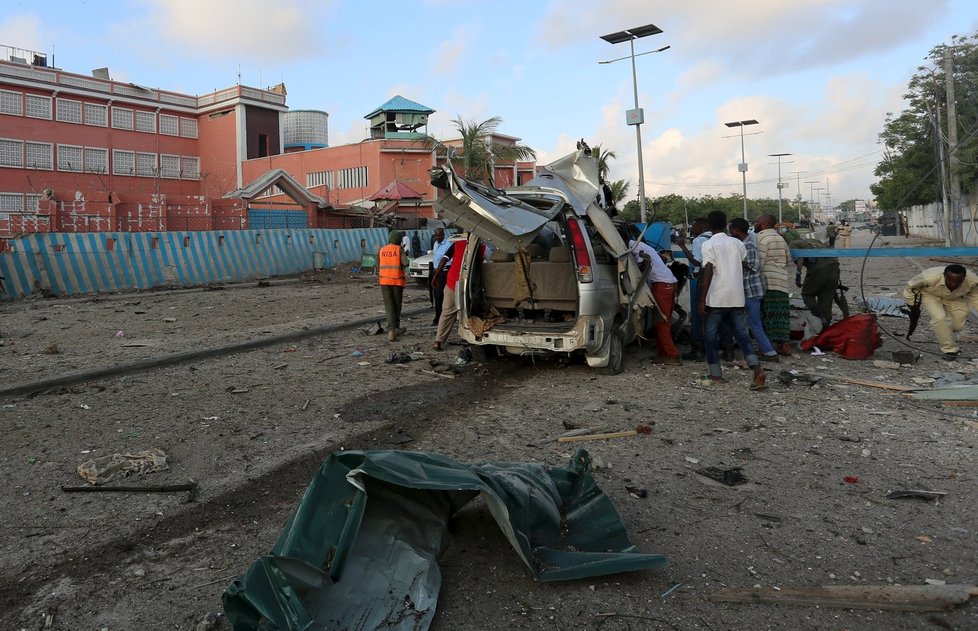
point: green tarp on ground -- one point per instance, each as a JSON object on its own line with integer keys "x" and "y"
{"x": 361, "y": 550}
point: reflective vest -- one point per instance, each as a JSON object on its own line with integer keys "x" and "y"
{"x": 389, "y": 266}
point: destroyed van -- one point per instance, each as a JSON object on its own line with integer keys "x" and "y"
{"x": 555, "y": 275}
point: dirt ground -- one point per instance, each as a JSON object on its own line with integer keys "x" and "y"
{"x": 252, "y": 427}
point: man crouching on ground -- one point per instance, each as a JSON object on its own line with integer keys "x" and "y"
{"x": 946, "y": 293}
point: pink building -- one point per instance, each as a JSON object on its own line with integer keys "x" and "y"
{"x": 85, "y": 153}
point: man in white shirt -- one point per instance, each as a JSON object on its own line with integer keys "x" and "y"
{"x": 662, "y": 282}
{"x": 721, "y": 298}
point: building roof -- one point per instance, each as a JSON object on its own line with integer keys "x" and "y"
{"x": 284, "y": 181}
{"x": 400, "y": 104}
{"x": 395, "y": 190}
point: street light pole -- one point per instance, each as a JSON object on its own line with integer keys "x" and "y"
{"x": 742, "y": 167}
{"x": 780, "y": 184}
{"x": 635, "y": 116}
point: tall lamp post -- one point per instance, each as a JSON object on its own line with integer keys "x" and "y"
{"x": 635, "y": 116}
{"x": 780, "y": 183}
{"x": 742, "y": 167}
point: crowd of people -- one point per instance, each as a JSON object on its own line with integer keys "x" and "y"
{"x": 739, "y": 286}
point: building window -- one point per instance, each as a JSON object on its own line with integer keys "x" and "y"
{"x": 169, "y": 125}
{"x": 33, "y": 202}
{"x": 40, "y": 155}
{"x": 38, "y": 106}
{"x": 262, "y": 145}
{"x": 146, "y": 121}
{"x": 355, "y": 177}
{"x": 95, "y": 115}
{"x": 69, "y": 111}
{"x": 170, "y": 166}
{"x": 70, "y": 158}
{"x": 96, "y": 160}
{"x": 123, "y": 162}
{"x": 11, "y": 103}
{"x": 319, "y": 178}
{"x": 146, "y": 164}
{"x": 190, "y": 167}
{"x": 11, "y": 153}
{"x": 188, "y": 127}
{"x": 11, "y": 202}
{"x": 121, "y": 118}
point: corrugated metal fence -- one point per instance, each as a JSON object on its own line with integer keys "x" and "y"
{"x": 65, "y": 264}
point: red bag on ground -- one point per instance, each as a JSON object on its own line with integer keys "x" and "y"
{"x": 855, "y": 337}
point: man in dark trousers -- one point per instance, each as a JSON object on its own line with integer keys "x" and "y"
{"x": 721, "y": 298}
{"x": 821, "y": 279}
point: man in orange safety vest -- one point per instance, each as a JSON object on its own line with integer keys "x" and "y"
{"x": 391, "y": 263}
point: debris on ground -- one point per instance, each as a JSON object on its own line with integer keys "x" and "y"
{"x": 361, "y": 548}
{"x": 732, "y": 476}
{"x": 892, "y": 597}
{"x": 636, "y": 492}
{"x": 372, "y": 329}
{"x": 107, "y": 468}
{"x": 605, "y": 436}
{"x": 52, "y": 350}
{"x": 788, "y": 377}
{"x": 919, "y": 494}
{"x": 397, "y": 357}
{"x": 190, "y": 488}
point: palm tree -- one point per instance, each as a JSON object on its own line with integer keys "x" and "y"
{"x": 479, "y": 153}
{"x": 619, "y": 190}
{"x": 603, "y": 157}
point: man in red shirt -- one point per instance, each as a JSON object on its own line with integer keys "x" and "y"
{"x": 449, "y": 305}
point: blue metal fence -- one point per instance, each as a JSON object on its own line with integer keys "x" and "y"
{"x": 65, "y": 264}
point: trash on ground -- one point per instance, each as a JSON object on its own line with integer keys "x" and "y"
{"x": 605, "y": 436}
{"x": 960, "y": 393}
{"x": 400, "y": 437}
{"x": 356, "y": 354}
{"x": 919, "y": 494}
{"x": 345, "y": 562}
{"x": 731, "y": 476}
{"x": 52, "y": 350}
{"x": 882, "y": 363}
{"x": 892, "y": 597}
{"x": 106, "y": 468}
{"x": 788, "y": 377}
{"x": 850, "y": 479}
{"x": 190, "y": 488}
{"x": 643, "y": 429}
{"x": 636, "y": 491}
{"x": 372, "y": 329}
{"x": 463, "y": 357}
{"x": 396, "y": 357}
{"x": 906, "y": 357}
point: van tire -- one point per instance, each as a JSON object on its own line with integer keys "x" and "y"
{"x": 616, "y": 352}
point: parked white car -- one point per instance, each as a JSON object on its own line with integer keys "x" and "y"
{"x": 420, "y": 267}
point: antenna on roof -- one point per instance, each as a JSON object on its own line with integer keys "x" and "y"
{"x": 239, "y": 74}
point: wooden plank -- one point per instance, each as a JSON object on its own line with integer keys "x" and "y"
{"x": 575, "y": 439}
{"x": 960, "y": 404}
{"x": 866, "y": 382}
{"x": 892, "y": 597}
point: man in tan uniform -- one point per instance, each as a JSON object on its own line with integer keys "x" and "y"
{"x": 946, "y": 294}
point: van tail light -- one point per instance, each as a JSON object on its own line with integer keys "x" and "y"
{"x": 582, "y": 258}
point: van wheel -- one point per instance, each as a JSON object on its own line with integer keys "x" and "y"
{"x": 616, "y": 353}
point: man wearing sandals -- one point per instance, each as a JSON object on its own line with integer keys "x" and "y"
{"x": 721, "y": 298}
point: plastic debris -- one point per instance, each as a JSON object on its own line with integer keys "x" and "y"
{"x": 360, "y": 551}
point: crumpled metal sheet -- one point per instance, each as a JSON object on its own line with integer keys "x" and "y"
{"x": 361, "y": 550}
{"x": 886, "y": 306}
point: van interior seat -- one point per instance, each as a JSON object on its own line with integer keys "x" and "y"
{"x": 554, "y": 283}
{"x": 499, "y": 256}
{"x": 559, "y": 254}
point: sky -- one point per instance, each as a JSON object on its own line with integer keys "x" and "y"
{"x": 819, "y": 75}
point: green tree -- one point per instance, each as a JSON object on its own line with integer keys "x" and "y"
{"x": 479, "y": 153}
{"x": 603, "y": 157}
{"x": 619, "y": 191}
{"x": 914, "y": 140}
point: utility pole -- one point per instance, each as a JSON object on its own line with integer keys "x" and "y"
{"x": 780, "y": 183}
{"x": 957, "y": 233}
{"x": 797, "y": 175}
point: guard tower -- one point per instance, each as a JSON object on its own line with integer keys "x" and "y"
{"x": 399, "y": 119}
